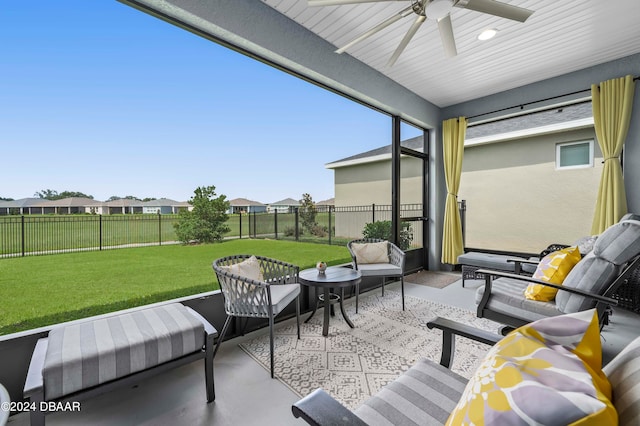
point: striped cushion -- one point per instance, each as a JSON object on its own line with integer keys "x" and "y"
{"x": 613, "y": 248}
{"x": 424, "y": 395}
{"x": 87, "y": 354}
{"x": 507, "y": 297}
{"x": 623, "y": 373}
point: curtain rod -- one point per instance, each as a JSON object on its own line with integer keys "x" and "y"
{"x": 521, "y": 106}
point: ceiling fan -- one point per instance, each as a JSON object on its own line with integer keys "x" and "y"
{"x": 437, "y": 10}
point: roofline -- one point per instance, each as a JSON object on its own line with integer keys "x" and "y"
{"x": 534, "y": 131}
{"x": 361, "y": 160}
{"x": 582, "y": 123}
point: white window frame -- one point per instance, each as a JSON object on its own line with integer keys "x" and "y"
{"x": 580, "y": 166}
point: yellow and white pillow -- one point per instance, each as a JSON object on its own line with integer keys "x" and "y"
{"x": 547, "y": 372}
{"x": 553, "y": 268}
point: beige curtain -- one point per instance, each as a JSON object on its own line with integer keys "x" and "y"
{"x": 612, "y": 102}
{"x": 453, "y": 132}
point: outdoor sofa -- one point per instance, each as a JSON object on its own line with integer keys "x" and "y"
{"x": 553, "y": 363}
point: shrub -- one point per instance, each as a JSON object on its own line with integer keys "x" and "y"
{"x": 308, "y": 212}
{"x": 206, "y": 222}
{"x": 382, "y": 229}
{"x": 319, "y": 231}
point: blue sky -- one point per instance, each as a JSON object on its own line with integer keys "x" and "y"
{"x": 103, "y": 99}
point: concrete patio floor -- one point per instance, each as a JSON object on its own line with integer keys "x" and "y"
{"x": 245, "y": 393}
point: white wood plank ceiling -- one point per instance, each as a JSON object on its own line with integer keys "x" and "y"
{"x": 561, "y": 36}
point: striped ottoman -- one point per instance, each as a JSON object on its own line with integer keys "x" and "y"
{"x": 89, "y": 355}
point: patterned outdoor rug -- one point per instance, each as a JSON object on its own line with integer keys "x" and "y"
{"x": 433, "y": 278}
{"x": 353, "y": 364}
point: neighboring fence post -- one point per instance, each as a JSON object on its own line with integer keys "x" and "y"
{"x": 330, "y": 208}
{"x": 373, "y": 213}
{"x": 255, "y": 231}
{"x": 296, "y": 216}
{"x": 275, "y": 222}
{"x": 23, "y": 242}
{"x": 159, "y": 228}
{"x": 240, "y": 224}
{"x": 100, "y": 233}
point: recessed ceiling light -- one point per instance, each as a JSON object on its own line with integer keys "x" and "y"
{"x": 487, "y": 34}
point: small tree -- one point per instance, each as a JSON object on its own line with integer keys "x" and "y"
{"x": 206, "y": 222}
{"x": 308, "y": 213}
{"x": 382, "y": 229}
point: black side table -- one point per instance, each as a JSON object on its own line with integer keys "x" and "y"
{"x": 335, "y": 277}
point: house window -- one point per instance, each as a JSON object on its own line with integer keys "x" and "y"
{"x": 574, "y": 155}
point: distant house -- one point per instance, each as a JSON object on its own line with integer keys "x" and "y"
{"x": 283, "y": 206}
{"x": 21, "y": 206}
{"x": 242, "y": 205}
{"x": 70, "y": 205}
{"x": 328, "y": 202}
{"x": 164, "y": 206}
{"x": 123, "y": 206}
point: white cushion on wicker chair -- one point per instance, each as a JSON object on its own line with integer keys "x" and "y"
{"x": 371, "y": 252}
{"x": 377, "y": 269}
{"x": 249, "y": 268}
{"x": 282, "y": 295}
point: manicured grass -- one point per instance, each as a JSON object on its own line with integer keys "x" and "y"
{"x": 43, "y": 290}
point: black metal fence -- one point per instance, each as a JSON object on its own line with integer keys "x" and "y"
{"x": 35, "y": 235}
{"x": 48, "y": 234}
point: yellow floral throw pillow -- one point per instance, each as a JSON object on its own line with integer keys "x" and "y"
{"x": 546, "y": 373}
{"x": 553, "y": 268}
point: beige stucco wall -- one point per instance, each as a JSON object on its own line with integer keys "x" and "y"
{"x": 370, "y": 183}
{"x": 518, "y": 201}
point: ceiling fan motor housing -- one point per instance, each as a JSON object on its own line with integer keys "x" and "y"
{"x": 437, "y": 9}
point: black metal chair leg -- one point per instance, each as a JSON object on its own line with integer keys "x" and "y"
{"x": 402, "y": 287}
{"x": 271, "y": 342}
{"x": 221, "y": 337}
{"x": 298, "y": 315}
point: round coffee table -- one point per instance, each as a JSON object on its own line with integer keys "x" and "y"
{"x": 335, "y": 277}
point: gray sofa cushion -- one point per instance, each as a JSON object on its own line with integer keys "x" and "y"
{"x": 597, "y": 270}
{"x": 424, "y": 395}
{"x": 507, "y": 296}
{"x": 487, "y": 260}
{"x": 83, "y": 355}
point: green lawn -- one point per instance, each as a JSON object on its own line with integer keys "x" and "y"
{"x": 42, "y": 290}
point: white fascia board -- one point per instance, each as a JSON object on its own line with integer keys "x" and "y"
{"x": 363, "y": 160}
{"x": 535, "y": 131}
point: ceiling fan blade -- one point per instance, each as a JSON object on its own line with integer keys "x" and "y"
{"x": 496, "y": 8}
{"x": 446, "y": 35}
{"x": 382, "y": 25}
{"x": 407, "y": 38}
{"x": 341, "y": 2}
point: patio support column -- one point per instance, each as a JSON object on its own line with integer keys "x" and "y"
{"x": 395, "y": 179}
